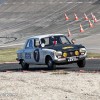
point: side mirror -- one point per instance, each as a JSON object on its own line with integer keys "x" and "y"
{"x": 42, "y": 45}
{"x": 73, "y": 41}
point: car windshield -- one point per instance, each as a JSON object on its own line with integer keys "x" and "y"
{"x": 55, "y": 40}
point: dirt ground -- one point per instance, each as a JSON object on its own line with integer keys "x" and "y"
{"x": 55, "y": 85}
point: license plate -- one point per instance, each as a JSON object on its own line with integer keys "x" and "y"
{"x": 70, "y": 59}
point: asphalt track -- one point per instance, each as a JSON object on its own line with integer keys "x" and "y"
{"x": 92, "y": 65}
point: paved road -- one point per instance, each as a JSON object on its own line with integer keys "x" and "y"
{"x": 91, "y": 65}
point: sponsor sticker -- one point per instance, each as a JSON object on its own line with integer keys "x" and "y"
{"x": 67, "y": 47}
{"x": 28, "y": 55}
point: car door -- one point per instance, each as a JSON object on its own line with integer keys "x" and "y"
{"x": 28, "y": 52}
{"x": 38, "y": 52}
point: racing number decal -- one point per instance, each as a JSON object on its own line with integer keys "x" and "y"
{"x": 36, "y": 55}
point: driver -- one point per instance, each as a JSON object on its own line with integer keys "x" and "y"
{"x": 55, "y": 42}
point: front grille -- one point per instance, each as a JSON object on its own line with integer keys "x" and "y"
{"x": 71, "y": 53}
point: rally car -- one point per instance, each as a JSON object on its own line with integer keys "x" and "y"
{"x": 52, "y": 50}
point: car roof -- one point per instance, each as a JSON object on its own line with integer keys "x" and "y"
{"x": 45, "y": 35}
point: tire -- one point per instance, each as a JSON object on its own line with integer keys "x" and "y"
{"x": 51, "y": 65}
{"x": 81, "y": 63}
{"x": 24, "y": 65}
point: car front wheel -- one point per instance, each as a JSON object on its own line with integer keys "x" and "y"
{"x": 24, "y": 65}
{"x": 51, "y": 65}
{"x": 81, "y": 63}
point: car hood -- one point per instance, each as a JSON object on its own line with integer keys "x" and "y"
{"x": 66, "y": 47}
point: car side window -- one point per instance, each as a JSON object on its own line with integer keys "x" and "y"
{"x": 45, "y": 41}
{"x": 29, "y": 44}
{"x": 36, "y": 43}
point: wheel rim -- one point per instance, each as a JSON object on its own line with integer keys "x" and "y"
{"x": 23, "y": 63}
{"x": 49, "y": 63}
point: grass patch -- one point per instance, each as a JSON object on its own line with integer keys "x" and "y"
{"x": 8, "y": 54}
{"x": 93, "y": 55}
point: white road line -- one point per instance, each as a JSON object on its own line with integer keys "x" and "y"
{"x": 72, "y": 2}
{"x": 50, "y": 2}
{"x": 67, "y": 2}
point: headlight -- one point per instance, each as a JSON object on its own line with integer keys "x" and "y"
{"x": 65, "y": 54}
{"x": 82, "y": 50}
{"x": 76, "y": 53}
{"x": 58, "y": 53}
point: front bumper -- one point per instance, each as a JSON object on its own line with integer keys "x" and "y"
{"x": 68, "y": 60}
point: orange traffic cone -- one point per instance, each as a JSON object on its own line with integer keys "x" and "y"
{"x": 69, "y": 33}
{"x": 85, "y": 17}
{"x": 76, "y": 18}
{"x": 81, "y": 28}
{"x": 94, "y": 18}
{"x": 90, "y": 24}
{"x": 66, "y": 17}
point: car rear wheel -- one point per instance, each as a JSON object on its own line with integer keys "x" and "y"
{"x": 81, "y": 63}
{"x": 51, "y": 65}
{"x": 24, "y": 65}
